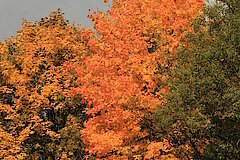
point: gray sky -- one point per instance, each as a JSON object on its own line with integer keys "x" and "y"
{"x": 12, "y": 12}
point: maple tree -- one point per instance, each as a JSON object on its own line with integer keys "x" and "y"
{"x": 38, "y": 116}
{"x": 118, "y": 80}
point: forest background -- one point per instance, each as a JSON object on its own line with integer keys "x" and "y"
{"x": 158, "y": 80}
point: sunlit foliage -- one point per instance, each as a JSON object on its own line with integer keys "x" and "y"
{"x": 119, "y": 80}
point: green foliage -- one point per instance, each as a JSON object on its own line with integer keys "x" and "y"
{"x": 68, "y": 122}
{"x": 203, "y": 105}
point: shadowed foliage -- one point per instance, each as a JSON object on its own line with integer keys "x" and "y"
{"x": 202, "y": 107}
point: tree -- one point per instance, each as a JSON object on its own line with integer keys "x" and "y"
{"x": 38, "y": 116}
{"x": 118, "y": 80}
{"x": 201, "y": 110}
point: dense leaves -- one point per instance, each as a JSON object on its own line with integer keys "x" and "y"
{"x": 118, "y": 80}
{"x": 204, "y": 88}
{"x": 38, "y": 116}
{"x": 158, "y": 80}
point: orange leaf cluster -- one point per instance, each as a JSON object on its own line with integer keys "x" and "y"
{"x": 33, "y": 82}
{"x": 118, "y": 80}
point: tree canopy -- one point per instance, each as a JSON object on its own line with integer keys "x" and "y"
{"x": 158, "y": 80}
{"x": 202, "y": 107}
{"x": 38, "y": 116}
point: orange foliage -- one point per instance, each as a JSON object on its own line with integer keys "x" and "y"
{"x": 34, "y": 82}
{"x": 118, "y": 81}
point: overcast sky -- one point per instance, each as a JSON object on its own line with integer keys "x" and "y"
{"x": 12, "y": 12}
